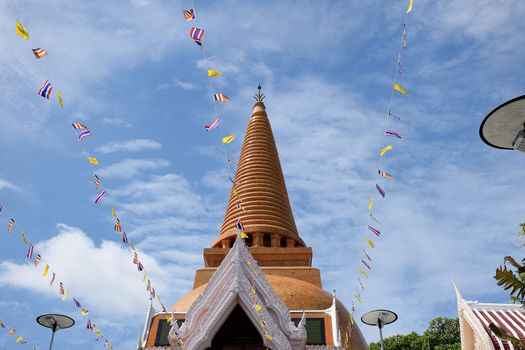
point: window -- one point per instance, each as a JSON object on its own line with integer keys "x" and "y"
{"x": 161, "y": 339}
{"x": 267, "y": 240}
{"x": 315, "y": 332}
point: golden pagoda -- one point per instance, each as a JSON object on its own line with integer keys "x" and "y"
{"x": 261, "y": 292}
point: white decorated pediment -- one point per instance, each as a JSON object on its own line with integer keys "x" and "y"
{"x": 239, "y": 281}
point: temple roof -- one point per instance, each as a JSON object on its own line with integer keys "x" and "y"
{"x": 259, "y": 182}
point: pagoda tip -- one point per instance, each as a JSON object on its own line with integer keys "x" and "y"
{"x": 259, "y": 96}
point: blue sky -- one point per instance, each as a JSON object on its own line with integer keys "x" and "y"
{"x": 130, "y": 72}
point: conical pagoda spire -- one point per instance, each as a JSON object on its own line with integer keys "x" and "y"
{"x": 265, "y": 209}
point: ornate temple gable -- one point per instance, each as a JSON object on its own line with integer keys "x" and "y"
{"x": 473, "y": 335}
{"x": 231, "y": 285}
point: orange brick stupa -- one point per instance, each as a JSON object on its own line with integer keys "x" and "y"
{"x": 261, "y": 292}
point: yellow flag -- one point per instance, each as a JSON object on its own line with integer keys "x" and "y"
{"x": 386, "y": 149}
{"x": 113, "y": 212}
{"x": 237, "y": 195}
{"x": 93, "y": 161}
{"x": 269, "y": 337}
{"x": 370, "y": 243}
{"x": 158, "y": 297}
{"x": 249, "y": 263}
{"x": 228, "y": 139}
{"x": 213, "y": 73}
{"x": 363, "y": 273}
{"x": 243, "y": 235}
{"x": 261, "y": 323}
{"x": 400, "y": 89}
{"x": 65, "y": 296}
{"x": 410, "y": 6}
{"x": 84, "y": 312}
{"x": 144, "y": 278}
{"x": 131, "y": 245}
{"x": 358, "y": 299}
{"x": 23, "y": 237}
{"x": 59, "y": 96}
{"x": 19, "y": 339}
{"x": 46, "y": 270}
{"x": 21, "y": 31}
{"x": 371, "y": 204}
{"x": 97, "y": 332}
{"x": 258, "y": 307}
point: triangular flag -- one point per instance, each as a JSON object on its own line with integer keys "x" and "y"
{"x": 23, "y": 237}
{"x": 363, "y": 273}
{"x": 93, "y": 161}
{"x": 46, "y": 270}
{"x": 243, "y": 235}
{"x": 213, "y": 73}
{"x": 228, "y": 139}
{"x": 371, "y": 204}
{"x": 65, "y": 296}
{"x": 370, "y": 243}
{"x": 398, "y": 87}
{"x": 60, "y": 101}
{"x": 113, "y": 212}
{"x": 21, "y": 31}
{"x": 386, "y": 149}
{"x": 410, "y": 6}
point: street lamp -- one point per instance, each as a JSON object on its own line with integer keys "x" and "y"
{"x": 55, "y": 322}
{"x": 504, "y": 127}
{"x": 379, "y": 318}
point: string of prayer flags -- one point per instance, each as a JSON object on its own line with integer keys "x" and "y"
{"x": 371, "y": 204}
{"x": 189, "y": 14}
{"x": 386, "y": 149}
{"x": 100, "y": 197}
{"x": 213, "y": 73}
{"x": 20, "y": 30}
{"x": 196, "y": 34}
{"x": 221, "y": 97}
{"x": 93, "y": 161}
{"x": 374, "y": 231}
{"x": 381, "y": 191}
{"x": 39, "y": 53}
{"x": 410, "y": 6}
{"x": 10, "y": 225}
{"x": 385, "y": 175}
{"x": 398, "y": 87}
{"x": 392, "y": 133}
{"x": 60, "y": 101}
{"x": 370, "y": 243}
{"x": 212, "y": 125}
{"x": 45, "y": 90}
{"x": 228, "y": 139}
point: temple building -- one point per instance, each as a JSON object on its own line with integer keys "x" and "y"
{"x": 259, "y": 292}
{"x": 475, "y": 318}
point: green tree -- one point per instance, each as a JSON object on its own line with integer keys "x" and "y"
{"x": 441, "y": 334}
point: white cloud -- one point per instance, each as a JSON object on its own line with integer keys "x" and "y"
{"x": 136, "y": 145}
{"x": 4, "y": 184}
{"x": 129, "y": 168}
{"x": 116, "y": 122}
{"x": 102, "y": 278}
